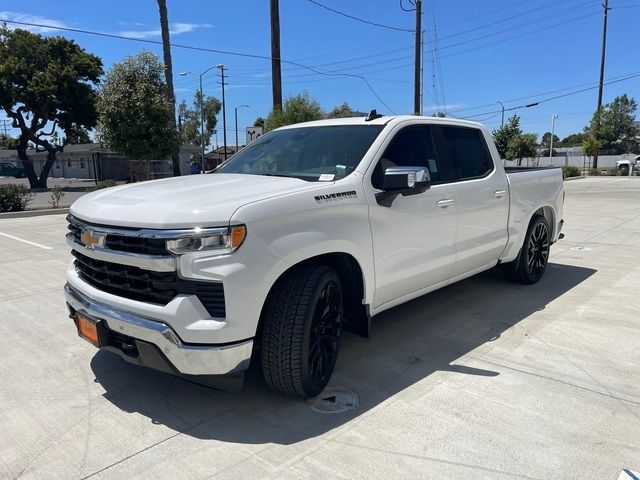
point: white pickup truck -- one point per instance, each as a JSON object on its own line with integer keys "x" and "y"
{"x": 309, "y": 231}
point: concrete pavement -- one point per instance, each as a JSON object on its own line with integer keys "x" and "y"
{"x": 482, "y": 379}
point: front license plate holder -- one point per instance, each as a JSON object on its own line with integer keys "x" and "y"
{"x": 90, "y": 329}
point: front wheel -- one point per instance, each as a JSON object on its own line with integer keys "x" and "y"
{"x": 531, "y": 264}
{"x": 624, "y": 170}
{"x": 301, "y": 328}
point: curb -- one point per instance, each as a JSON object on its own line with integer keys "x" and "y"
{"x": 574, "y": 178}
{"x": 34, "y": 213}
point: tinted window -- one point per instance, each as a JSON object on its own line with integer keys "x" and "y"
{"x": 411, "y": 147}
{"x": 305, "y": 152}
{"x": 468, "y": 152}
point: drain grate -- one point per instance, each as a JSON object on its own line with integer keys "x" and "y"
{"x": 333, "y": 400}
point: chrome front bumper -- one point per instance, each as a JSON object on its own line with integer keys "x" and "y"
{"x": 187, "y": 359}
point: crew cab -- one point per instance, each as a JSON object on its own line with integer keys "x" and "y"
{"x": 311, "y": 230}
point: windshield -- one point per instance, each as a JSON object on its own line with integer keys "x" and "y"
{"x": 309, "y": 153}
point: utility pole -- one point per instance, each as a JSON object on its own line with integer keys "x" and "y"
{"x": 235, "y": 112}
{"x": 606, "y": 8}
{"x": 224, "y": 113}
{"x": 502, "y": 107}
{"x": 276, "y": 75}
{"x": 554, "y": 117}
{"x": 5, "y": 122}
{"x": 416, "y": 86}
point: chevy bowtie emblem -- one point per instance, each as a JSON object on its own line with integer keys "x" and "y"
{"x": 91, "y": 240}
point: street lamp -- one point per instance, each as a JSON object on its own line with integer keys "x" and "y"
{"x": 224, "y": 112}
{"x": 502, "y": 107}
{"x": 554, "y": 117}
{"x": 184, "y": 74}
{"x": 236, "y": 116}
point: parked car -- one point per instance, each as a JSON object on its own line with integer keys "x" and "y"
{"x": 8, "y": 169}
{"x": 625, "y": 166}
{"x": 310, "y": 230}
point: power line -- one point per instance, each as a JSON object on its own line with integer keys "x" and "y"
{"x": 338, "y": 12}
{"x": 556, "y": 97}
{"x": 204, "y": 49}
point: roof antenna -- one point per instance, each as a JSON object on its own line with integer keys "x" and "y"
{"x": 372, "y": 115}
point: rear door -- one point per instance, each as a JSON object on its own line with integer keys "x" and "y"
{"x": 482, "y": 197}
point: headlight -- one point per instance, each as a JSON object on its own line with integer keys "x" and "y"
{"x": 216, "y": 241}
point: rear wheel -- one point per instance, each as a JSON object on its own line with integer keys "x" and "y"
{"x": 301, "y": 328}
{"x": 531, "y": 264}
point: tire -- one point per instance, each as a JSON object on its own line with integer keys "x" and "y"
{"x": 300, "y": 331}
{"x": 532, "y": 261}
{"x": 624, "y": 170}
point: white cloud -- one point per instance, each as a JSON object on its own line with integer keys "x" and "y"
{"x": 174, "y": 29}
{"x": 54, "y": 25}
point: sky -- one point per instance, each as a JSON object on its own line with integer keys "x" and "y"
{"x": 475, "y": 52}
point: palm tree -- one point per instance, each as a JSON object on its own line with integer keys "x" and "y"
{"x": 168, "y": 72}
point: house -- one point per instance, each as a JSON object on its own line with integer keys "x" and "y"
{"x": 216, "y": 156}
{"x": 93, "y": 161}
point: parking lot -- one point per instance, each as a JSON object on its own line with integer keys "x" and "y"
{"x": 482, "y": 379}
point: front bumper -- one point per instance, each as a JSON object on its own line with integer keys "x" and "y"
{"x": 186, "y": 359}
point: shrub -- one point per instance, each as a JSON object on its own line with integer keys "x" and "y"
{"x": 14, "y": 198}
{"x": 102, "y": 184}
{"x": 571, "y": 171}
{"x": 56, "y": 196}
{"x": 594, "y": 172}
{"x": 613, "y": 171}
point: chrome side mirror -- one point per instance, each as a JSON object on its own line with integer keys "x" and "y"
{"x": 403, "y": 181}
{"x": 406, "y": 180}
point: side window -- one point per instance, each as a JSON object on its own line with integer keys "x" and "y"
{"x": 468, "y": 152}
{"x": 411, "y": 147}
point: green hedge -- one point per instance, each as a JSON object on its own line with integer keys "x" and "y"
{"x": 14, "y": 198}
{"x": 571, "y": 171}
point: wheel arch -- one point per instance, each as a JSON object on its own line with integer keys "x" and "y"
{"x": 353, "y": 289}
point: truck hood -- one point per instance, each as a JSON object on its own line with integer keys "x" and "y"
{"x": 181, "y": 202}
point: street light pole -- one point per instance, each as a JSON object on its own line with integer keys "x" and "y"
{"x": 502, "y": 107}
{"x": 236, "y": 117}
{"x": 184, "y": 74}
{"x": 553, "y": 129}
{"x": 224, "y": 112}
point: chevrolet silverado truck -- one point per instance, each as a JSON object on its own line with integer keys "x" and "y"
{"x": 309, "y": 231}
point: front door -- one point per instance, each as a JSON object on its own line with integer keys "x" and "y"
{"x": 413, "y": 239}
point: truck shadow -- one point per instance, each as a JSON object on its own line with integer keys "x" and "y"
{"x": 408, "y": 344}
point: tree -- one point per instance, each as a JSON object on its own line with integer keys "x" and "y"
{"x": 591, "y": 146}
{"x": 190, "y": 119}
{"x": 296, "y": 109}
{"x": 545, "y": 143}
{"x": 46, "y": 85}
{"x": 503, "y": 135}
{"x": 341, "y": 111}
{"x": 76, "y": 135}
{"x": 8, "y": 143}
{"x": 618, "y": 132}
{"x": 522, "y": 146}
{"x": 573, "y": 140}
{"x": 168, "y": 78}
{"x": 259, "y": 122}
{"x": 133, "y": 107}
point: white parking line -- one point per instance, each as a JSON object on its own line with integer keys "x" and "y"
{"x": 26, "y": 241}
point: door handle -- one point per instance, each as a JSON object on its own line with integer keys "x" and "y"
{"x": 445, "y": 202}
{"x": 500, "y": 193}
